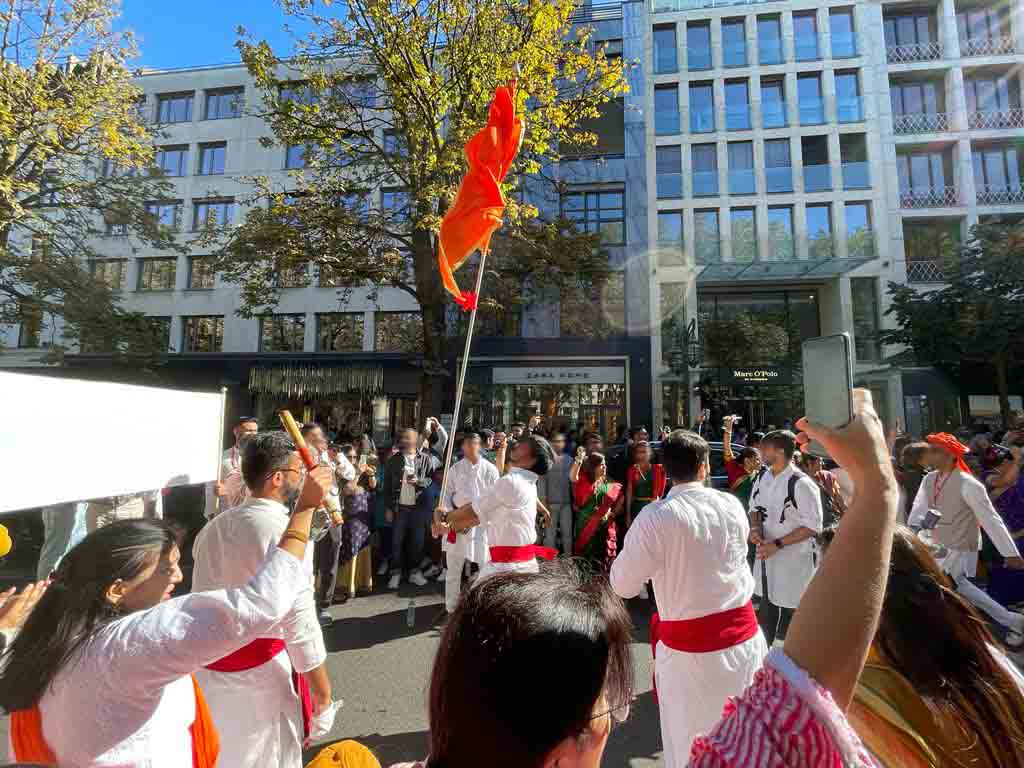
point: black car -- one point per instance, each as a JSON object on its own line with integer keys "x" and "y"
{"x": 719, "y": 478}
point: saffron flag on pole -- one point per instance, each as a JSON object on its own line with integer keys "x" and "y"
{"x": 479, "y": 204}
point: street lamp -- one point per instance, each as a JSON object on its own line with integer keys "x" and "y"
{"x": 694, "y": 346}
{"x": 687, "y": 348}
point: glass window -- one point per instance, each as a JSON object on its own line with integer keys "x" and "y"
{"x": 201, "y": 273}
{"x": 853, "y": 153}
{"x": 705, "y": 169}
{"x": 282, "y": 333}
{"x": 915, "y": 99}
{"x": 812, "y": 106}
{"x": 297, "y": 92}
{"x": 769, "y": 40}
{"x": 817, "y": 171}
{"x": 698, "y": 45}
{"x": 844, "y": 43}
{"x": 706, "y": 237}
{"x": 819, "y": 232}
{"x": 203, "y": 333}
{"x": 578, "y": 317}
{"x": 212, "y": 214}
{"x": 702, "y": 108}
{"x": 339, "y": 332}
{"x": 921, "y": 172}
{"x": 224, "y": 104}
{"x": 160, "y": 327}
{"x": 741, "y": 168}
{"x": 165, "y": 213}
{"x": 860, "y": 240}
{"x": 293, "y": 276}
{"x": 780, "y": 231}
{"x": 744, "y": 234}
{"x": 848, "y": 107}
{"x": 773, "y": 103}
{"x": 909, "y": 29}
{"x": 996, "y": 169}
{"x": 211, "y": 158}
{"x": 111, "y": 272}
{"x": 673, "y": 317}
{"x": 864, "y": 296}
{"x": 992, "y": 94}
{"x": 157, "y": 274}
{"x": 598, "y": 211}
{"x": 734, "y": 43}
{"x": 665, "y": 49}
{"x": 668, "y": 162}
{"x": 398, "y": 332}
{"x": 172, "y": 161}
{"x": 805, "y": 36}
{"x": 778, "y": 165}
{"x": 666, "y": 110}
{"x": 670, "y": 227}
{"x": 737, "y": 105}
{"x": 174, "y": 108}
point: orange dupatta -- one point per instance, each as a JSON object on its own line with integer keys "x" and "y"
{"x": 30, "y": 746}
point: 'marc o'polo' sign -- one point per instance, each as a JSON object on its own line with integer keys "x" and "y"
{"x": 756, "y": 374}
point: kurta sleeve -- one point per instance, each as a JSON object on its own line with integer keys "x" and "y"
{"x": 808, "y": 503}
{"x": 492, "y": 501}
{"x": 920, "y": 506}
{"x": 155, "y": 647}
{"x": 345, "y": 469}
{"x": 976, "y": 497}
{"x": 641, "y": 553}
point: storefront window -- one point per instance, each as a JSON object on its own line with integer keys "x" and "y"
{"x": 282, "y": 333}
{"x": 595, "y": 310}
{"x": 398, "y": 332}
{"x": 339, "y": 332}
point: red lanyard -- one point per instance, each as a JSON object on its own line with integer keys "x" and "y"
{"x": 940, "y": 483}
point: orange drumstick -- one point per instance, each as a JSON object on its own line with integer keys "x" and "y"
{"x": 300, "y": 442}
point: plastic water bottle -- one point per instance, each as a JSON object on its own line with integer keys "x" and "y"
{"x": 410, "y": 614}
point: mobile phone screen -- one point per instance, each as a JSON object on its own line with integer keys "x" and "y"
{"x": 828, "y": 383}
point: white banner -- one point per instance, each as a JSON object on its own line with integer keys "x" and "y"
{"x": 560, "y": 374}
{"x": 67, "y": 440}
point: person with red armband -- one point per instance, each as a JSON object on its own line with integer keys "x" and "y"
{"x": 693, "y": 546}
{"x": 264, "y": 696}
{"x": 508, "y": 511}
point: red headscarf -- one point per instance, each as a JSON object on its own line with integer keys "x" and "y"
{"x": 952, "y": 446}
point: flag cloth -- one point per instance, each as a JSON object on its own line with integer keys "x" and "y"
{"x": 479, "y": 204}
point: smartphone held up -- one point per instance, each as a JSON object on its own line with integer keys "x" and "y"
{"x": 828, "y": 383}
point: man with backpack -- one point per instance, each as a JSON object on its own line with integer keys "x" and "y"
{"x": 786, "y": 516}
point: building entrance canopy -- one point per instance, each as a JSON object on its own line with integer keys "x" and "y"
{"x": 773, "y": 270}
{"x": 310, "y": 381}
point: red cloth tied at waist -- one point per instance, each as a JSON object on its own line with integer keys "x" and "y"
{"x": 256, "y": 654}
{"x": 706, "y": 634}
{"x": 451, "y": 535}
{"x": 522, "y": 554}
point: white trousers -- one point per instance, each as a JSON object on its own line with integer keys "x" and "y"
{"x": 693, "y": 688}
{"x": 456, "y": 563}
{"x": 983, "y": 602}
{"x": 561, "y": 522}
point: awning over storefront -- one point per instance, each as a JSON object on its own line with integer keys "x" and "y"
{"x": 777, "y": 270}
{"x": 306, "y": 380}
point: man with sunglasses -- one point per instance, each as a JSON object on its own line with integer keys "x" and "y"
{"x": 257, "y": 696}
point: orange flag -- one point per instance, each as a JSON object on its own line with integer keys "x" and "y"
{"x": 479, "y": 204}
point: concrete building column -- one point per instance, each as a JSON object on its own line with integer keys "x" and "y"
{"x": 947, "y": 30}
{"x": 964, "y": 173}
{"x": 828, "y": 95}
{"x": 369, "y": 335}
{"x": 175, "y": 333}
{"x": 800, "y": 231}
{"x": 956, "y": 99}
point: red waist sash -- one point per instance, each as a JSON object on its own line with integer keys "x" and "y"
{"x": 522, "y": 554}
{"x": 705, "y": 634}
{"x": 256, "y": 654}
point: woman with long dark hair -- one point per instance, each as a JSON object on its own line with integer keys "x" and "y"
{"x": 957, "y": 699}
{"x": 100, "y": 672}
{"x": 645, "y": 481}
{"x": 598, "y": 502}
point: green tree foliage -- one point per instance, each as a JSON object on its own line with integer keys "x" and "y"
{"x": 977, "y": 317}
{"x": 381, "y": 97}
{"x": 744, "y": 339}
{"x": 73, "y": 160}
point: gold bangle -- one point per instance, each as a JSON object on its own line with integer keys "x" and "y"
{"x": 302, "y": 538}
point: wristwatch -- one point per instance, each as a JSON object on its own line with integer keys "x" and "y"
{"x": 778, "y": 543}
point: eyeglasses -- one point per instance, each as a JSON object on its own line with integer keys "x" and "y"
{"x": 301, "y": 472}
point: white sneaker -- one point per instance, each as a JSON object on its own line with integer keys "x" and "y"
{"x": 443, "y": 576}
{"x": 417, "y": 578}
{"x": 395, "y": 581}
{"x": 383, "y": 569}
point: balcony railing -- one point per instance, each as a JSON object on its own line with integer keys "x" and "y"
{"x": 773, "y": 114}
{"x": 936, "y": 197}
{"x": 817, "y": 178}
{"x": 705, "y": 183}
{"x": 996, "y": 119}
{"x": 671, "y": 6}
{"x": 779, "y": 178}
{"x": 913, "y": 52}
{"x": 849, "y": 110}
{"x": 597, "y": 11}
{"x": 926, "y": 272}
{"x": 821, "y": 247}
{"x": 856, "y": 175}
{"x": 742, "y": 182}
{"x": 844, "y": 46}
{"x": 1004, "y": 194}
{"x": 861, "y": 245}
{"x": 737, "y": 117}
{"x": 707, "y": 250}
{"x": 669, "y": 185}
{"x": 937, "y": 122}
{"x": 987, "y": 46}
{"x": 812, "y": 112}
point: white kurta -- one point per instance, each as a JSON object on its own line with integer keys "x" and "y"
{"x": 693, "y": 546}
{"x": 235, "y": 490}
{"x": 791, "y": 569}
{"x": 466, "y": 483}
{"x": 508, "y": 513}
{"x": 127, "y": 700}
{"x": 257, "y": 712}
{"x": 958, "y": 563}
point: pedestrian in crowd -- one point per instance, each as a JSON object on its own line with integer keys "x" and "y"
{"x": 707, "y": 642}
{"x": 952, "y": 700}
{"x": 1006, "y": 483}
{"x": 787, "y": 505}
{"x": 100, "y": 673}
{"x": 129, "y": 506}
{"x": 366, "y": 449}
{"x": 703, "y": 426}
{"x": 382, "y": 526}
{"x": 258, "y": 694}
{"x": 406, "y": 474}
{"x": 426, "y": 503}
{"x": 435, "y": 437}
{"x": 740, "y": 470}
{"x": 356, "y": 563}
{"x": 229, "y": 490}
{"x": 593, "y": 443}
{"x": 507, "y": 510}
{"x": 64, "y": 525}
{"x": 622, "y": 459}
{"x": 554, "y": 492}
{"x": 487, "y": 444}
{"x": 517, "y": 429}
{"x": 468, "y": 480}
{"x": 965, "y": 508}
{"x": 561, "y": 625}
{"x": 599, "y": 502}
{"x": 832, "y": 504}
{"x": 645, "y": 480}
{"x": 912, "y": 469}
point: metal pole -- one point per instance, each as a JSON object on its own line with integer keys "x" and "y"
{"x": 462, "y": 378}
{"x": 220, "y": 446}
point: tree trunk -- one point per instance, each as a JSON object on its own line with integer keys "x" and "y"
{"x": 430, "y": 293}
{"x": 1002, "y": 387}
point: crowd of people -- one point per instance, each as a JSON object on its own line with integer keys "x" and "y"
{"x": 773, "y": 643}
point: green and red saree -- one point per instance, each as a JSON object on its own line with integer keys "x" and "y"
{"x": 595, "y": 538}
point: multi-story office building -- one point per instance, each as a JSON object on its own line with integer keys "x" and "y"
{"x": 773, "y": 162}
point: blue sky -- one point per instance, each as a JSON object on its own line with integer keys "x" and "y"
{"x": 180, "y": 33}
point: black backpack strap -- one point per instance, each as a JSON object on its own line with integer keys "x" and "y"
{"x": 790, "y": 494}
